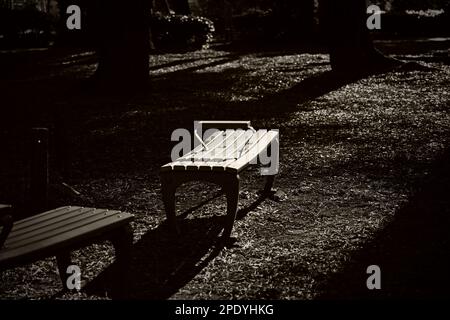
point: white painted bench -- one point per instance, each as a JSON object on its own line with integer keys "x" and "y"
{"x": 219, "y": 159}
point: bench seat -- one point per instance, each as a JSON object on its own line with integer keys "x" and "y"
{"x": 57, "y": 232}
{"x": 230, "y": 150}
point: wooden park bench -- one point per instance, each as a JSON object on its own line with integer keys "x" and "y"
{"x": 220, "y": 158}
{"x": 58, "y": 232}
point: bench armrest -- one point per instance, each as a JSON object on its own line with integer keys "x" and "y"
{"x": 6, "y": 222}
{"x": 222, "y": 125}
{"x": 200, "y": 127}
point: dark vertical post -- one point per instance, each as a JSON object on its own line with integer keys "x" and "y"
{"x": 61, "y": 142}
{"x": 39, "y": 170}
{"x": 228, "y": 20}
{"x": 167, "y": 6}
{"x": 123, "y": 38}
{"x": 6, "y": 222}
{"x": 181, "y": 6}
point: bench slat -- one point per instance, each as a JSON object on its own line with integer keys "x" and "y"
{"x": 228, "y": 137}
{"x": 224, "y": 165}
{"x": 40, "y": 229}
{"x": 254, "y": 139}
{"x": 48, "y": 214}
{"x": 210, "y": 165}
{"x": 253, "y": 152}
{"x": 231, "y": 148}
{"x": 212, "y": 142}
{"x": 52, "y": 244}
{"x": 186, "y": 162}
{"x": 43, "y": 220}
{"x": 49, "y": 233}
{"x": 225, "y": 151}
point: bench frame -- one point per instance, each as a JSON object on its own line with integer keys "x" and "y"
{"x": 227, "y": 180}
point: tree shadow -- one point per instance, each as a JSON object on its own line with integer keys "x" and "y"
{"x": 221, "y": 59}
{"x": 282, "y": 103}
{"x": 271, "y": 49}
{"x": 412, "y": 251}
{"x": 215, "y": 63}
{"x": 276, "y": 105}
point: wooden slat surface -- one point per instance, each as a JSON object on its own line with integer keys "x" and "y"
{"x": 195, "y": 158}
{"x": 43, "y": 231}
{"x": 253, "y": 151}
{"x": 228, "y": 137}
{"x": 56, "y": 229}
{"x": 47, "y": 218}
{"x": 230, "y": 150}
{"x": 211, "y": 142}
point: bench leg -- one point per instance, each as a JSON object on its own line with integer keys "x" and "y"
{"x": 274, "y": 149}
{"x": 168, "y": 189}
{"x": 63, "y": 261}
{"x": 122, "y": 241}
{"x": 6, "y": 221}
{"x": 231, "y": 189}
{"x": 269, "y": 184}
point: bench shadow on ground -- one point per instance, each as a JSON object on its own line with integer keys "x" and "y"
{"x": 163, "y": 262}
{"x": 412, "y": 250}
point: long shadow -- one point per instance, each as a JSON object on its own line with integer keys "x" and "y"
{"x": 280, "y": 104}
{"x": 184, "y": 61}
{"x": 413, "y": 251}
{"x": 215, "y": 63}
{"x": 271, "y": 49}
{"x": 163, "y": 262}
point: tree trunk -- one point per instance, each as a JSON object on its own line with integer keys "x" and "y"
{"x": 180, "y": 6}
{"x": 161, "y": 6}
{"x": 343, "y": 24}
{"x": 296, "y": 16}
{"x": 123, "y": 34}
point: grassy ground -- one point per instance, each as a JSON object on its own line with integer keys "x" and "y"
{"x": 364, "y": 175}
